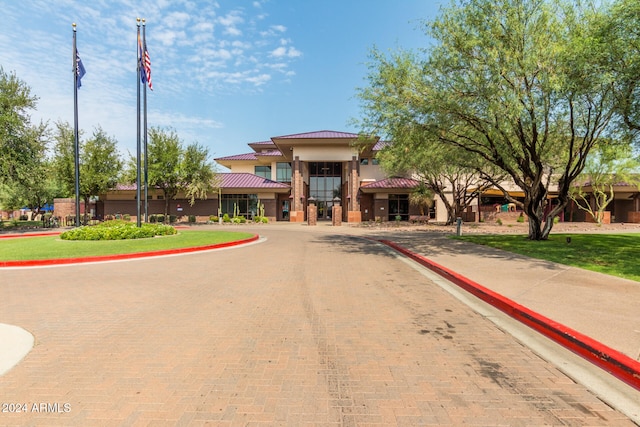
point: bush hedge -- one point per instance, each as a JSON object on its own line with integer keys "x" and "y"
{"x": 117, "y": 230}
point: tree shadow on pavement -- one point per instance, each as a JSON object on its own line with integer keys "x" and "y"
{"x": 431, "y": 245}
{"x": 354, "y": 244}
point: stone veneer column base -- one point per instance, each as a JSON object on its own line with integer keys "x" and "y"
{"x": 296, "y": 216}
{"x": 354, "y": 216}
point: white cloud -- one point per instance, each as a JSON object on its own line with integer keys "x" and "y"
{"x": 170, "y": 37}
{"x": 279, "y": 52}
{"x": 259, "y": 80}
{"x": 230, "y": 21}
{"x": 283, "y": 51}
{"x": 176, "y": 20}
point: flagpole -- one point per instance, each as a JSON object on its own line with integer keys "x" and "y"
{"x": 138, "y": 55}
{"x": 146, "y": 164}
{"x": 75, "y": 127}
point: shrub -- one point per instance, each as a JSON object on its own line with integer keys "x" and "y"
{"x": 521, "y": 218}
{"x": 239, "y": 219}
{"x": 226, "y": 218}
{"x": 499, "y": 221}
{"x": 192, "y": 219}
{"x": 172, "y": 218}
{"x": 126, "y": 217}
{"x": 117, "y": 230}
{"x": 214, "y": 218}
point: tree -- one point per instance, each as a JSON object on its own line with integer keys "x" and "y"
{"x": 441, "y": 169}
{"x": 100, "y": 166}
{"x": 199, "y": 173}
{"x": 412, "y": 150}
{"x": 36, "y": 186}
{"x": 514, "y": 83}
{"x": 100, "y": 163}
{"x": 64, "y": 158}
{"x": 608, "y": 165}
{"x": 621, "y": 34}
{"x": 422, "y": 197}
{"x": 15, "y": 126}
{"x": 174, "y": 168}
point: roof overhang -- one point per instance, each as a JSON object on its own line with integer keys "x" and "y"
{"x": 287, "y": 143}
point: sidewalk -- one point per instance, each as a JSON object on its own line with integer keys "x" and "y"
{"x": 602, "y": 307}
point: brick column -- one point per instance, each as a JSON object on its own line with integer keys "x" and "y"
{"x": 296, "y": 214}
{"x": 312, "y": 214}
{"x": 336, "y": 215}
{"x": 354, "y": 214}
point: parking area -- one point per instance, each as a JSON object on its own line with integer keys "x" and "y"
{"x": 306, "y": 327}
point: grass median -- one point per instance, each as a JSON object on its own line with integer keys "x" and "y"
{"x": 613, "y": 254}
{"x": 52, "y": 247}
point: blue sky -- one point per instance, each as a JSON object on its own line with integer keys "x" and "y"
{"x": 225, "y": 73}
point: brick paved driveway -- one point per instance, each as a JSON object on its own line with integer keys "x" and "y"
{"x": 307, "y": 328}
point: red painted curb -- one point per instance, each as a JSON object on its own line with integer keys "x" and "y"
{"x": 63, "y": 261}
{"x": 36, "y": 234}
{"x": 612, "y": 361}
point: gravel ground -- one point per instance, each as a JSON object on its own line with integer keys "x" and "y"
{"x": 507, "y": 227}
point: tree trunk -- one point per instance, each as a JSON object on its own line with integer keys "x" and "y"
{"x": 534, "y": 209}
{"x": 166, "y": 208}
{"x": 86, "y": 211}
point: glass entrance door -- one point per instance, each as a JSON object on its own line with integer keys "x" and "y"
{"x": 325, "y": 180}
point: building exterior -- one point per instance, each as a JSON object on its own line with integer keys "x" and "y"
{"x": 324, "y": 169}
{"x": 285, "y": 175}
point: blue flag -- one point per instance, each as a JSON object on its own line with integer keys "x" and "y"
{"x": 80, "y": 71}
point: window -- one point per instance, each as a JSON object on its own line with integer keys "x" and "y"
{"x": 263, "y": 171}
{"x": 242, "y": 204}
{"x": 283, "y": 172}
{"x": 364, "y": 161}
{"x": 398, "y": 206}
{"x": 375, "y": 161}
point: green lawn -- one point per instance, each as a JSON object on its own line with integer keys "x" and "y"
{"x": 613, "y": 254}
{"x": 52, "y": 247}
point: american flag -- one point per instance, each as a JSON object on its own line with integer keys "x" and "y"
{"x": 147, "y": 66}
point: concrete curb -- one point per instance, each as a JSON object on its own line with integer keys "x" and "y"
{"x": 62, "y": 261}
{"x": 612, "y": 361}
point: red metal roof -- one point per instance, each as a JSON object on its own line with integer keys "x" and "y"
{"x": 275, "y": 153}
{"x": 246, "y": 156}
{"x": 380, "y": 145}
{"x": 321, "y": 134}
{"x": 125, "y": 187}
{"x": 231, "y": 180}
{"x": 248, "y": 180}
{"x": 392, "y": 183}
